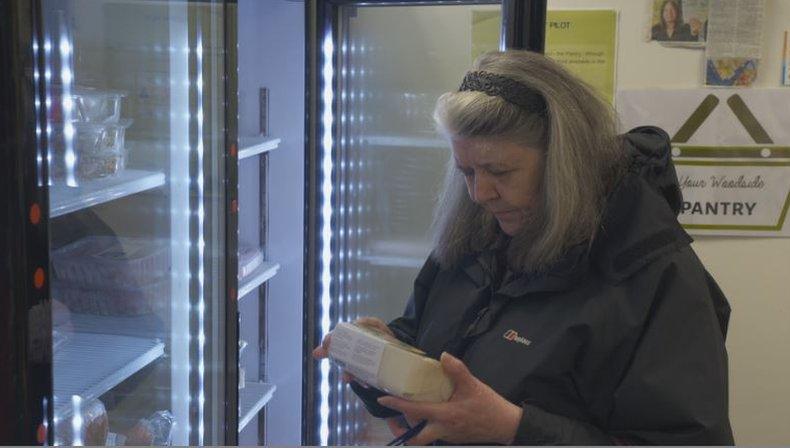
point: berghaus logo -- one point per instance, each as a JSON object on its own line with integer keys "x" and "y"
{"x": 512, "y": 336}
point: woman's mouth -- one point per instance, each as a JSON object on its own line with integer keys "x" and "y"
{"x": 506, "y": 214}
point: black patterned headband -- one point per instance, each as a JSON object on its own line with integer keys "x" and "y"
{"x": 506, "y": 88}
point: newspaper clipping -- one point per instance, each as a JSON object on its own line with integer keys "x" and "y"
{"x": 734, "y": 37}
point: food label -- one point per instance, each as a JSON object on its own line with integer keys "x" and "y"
{"x": 357, "y": 352}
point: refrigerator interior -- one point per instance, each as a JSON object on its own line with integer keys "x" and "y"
{"x": 135, "y": 130}
{"x": 395, "y": 61}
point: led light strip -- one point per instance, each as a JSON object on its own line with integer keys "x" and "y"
{"x": 326, "y": 226}
{"x": 201, "y": 242}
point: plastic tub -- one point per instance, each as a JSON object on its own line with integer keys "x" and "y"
{"x": 112, "y": 262}
{"x": 99, "y": 149}
{"x": 97, "y": 106}
{"x": 91, "y": 138}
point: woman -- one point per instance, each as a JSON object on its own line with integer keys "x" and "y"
{"x": 562, "y": 296}
{"x": 672, "y": 27}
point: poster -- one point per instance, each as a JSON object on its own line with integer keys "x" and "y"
{"x": 583, "y": 41}
{"x": 731, "y": 150}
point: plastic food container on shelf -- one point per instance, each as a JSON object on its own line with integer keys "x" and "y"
{"x": 98, "y": 149}
{"x": 105, "y": 301}
{"x": 96, "y": 138}
{"x": 93, "y": 105}
{"x": 250, "y": 257}
{"x": 92, "y": 430}
{"x": 112, "y": 262}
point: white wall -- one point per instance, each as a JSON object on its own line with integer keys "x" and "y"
{"x": 752, "y": 272}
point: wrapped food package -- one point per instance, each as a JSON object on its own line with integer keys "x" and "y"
{"x": 388, "y": 364}
{"x": 156, "y": 430}
{"x": 112, "y": 262}
{"x": 94, "y": 429}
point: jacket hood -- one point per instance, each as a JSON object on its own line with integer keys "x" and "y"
{"x": 639, "y": 223}
{"x": 650, "y": 150}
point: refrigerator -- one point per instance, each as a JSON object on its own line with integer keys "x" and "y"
{"x": 120, "y": 213}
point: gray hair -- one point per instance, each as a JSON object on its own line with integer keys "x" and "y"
{"x": 583, "y": 159}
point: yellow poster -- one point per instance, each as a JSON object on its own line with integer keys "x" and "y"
{"x": 584, "y": 41}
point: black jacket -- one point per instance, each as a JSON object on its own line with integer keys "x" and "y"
{"x": 621, "y": 342}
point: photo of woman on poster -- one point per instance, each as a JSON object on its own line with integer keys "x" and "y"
{"x": 669, "y": 25}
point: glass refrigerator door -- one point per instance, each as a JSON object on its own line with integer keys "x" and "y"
{"x": 381, "y": 170}
{"x": 135, "y": 135}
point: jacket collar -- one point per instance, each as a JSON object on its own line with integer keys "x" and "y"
{"x": 563, "y": 275}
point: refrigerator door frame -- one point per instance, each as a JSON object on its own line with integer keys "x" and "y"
{"x": 523, "y": 27}
{"x": 26, "y": 354}
{"x": 231, "y": 324}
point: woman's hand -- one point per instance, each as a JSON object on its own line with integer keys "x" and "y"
{"x": 475, "y": 413}
{"x": 322, "y": 351}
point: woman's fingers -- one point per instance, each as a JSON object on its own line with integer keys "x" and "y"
{"x": 322, "y": 351}
{"x": 428, "y": 434}
{"x": 413, "y": 410}
{"x": 396, "y": 426}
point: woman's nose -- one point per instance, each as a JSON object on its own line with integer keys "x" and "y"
{"x": 484, "y": 190}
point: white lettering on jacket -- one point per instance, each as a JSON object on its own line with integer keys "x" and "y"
{"x": 512, "y": 336}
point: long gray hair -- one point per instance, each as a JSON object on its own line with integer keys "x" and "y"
{"x": 583, "y": 159}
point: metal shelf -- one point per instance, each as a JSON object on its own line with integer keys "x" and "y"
{"x": 90, "y": 364}
{"x": 252, "y": 146}
{"x": 394, "y": 261}
{"x": 64, "y": 199}
{"x": 256, "y": 278}
{"x": 252, "y": 398}
{"x": 405, "y": 142}
{"x": 146, "y": 326}
{"x": 398, "y": 253}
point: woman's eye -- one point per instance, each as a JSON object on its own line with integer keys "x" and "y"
{"x": 501, "y": 173}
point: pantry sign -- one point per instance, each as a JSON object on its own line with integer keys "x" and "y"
{"x": 731, "y": 154}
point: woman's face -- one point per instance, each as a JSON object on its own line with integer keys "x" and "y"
{"x": 670, "y": 12}
{"x": 501, "y": 176}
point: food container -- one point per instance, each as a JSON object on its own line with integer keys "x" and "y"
{"x": 250, "y": 257}
{"x": 93, "y": 430}
{"x": 92, "y": 138}
{"x": 98, "y": 149}
{"x": 112, "y": 262}
{"x": 130, "y": 301}
{"x": 96, "y": 106}
{"x": 386, "y": 363}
